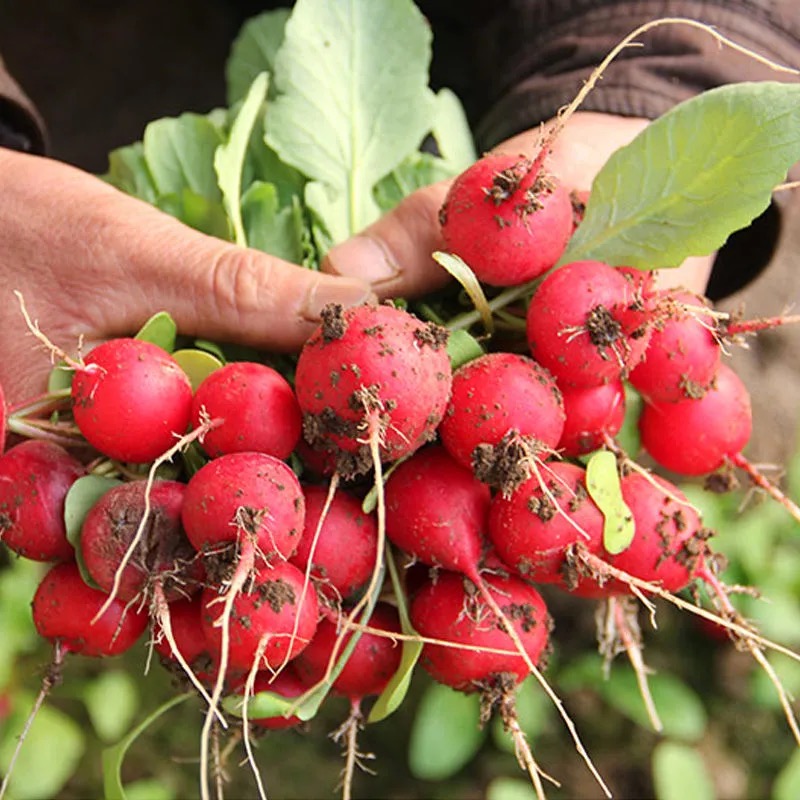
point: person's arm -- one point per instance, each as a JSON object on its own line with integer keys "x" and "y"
{"x": 21, "y": 127}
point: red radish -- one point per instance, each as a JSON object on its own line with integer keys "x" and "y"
{"x": 669, "y": 543}
{"x": 587, "y": 324}
{"x": 275, "y": 611}
{"x": 372, "y": 370}
{"x": 162, "y": 555}
{"x": 496, "y": 394}
{"x": 257, "y": 406}
{"x": 450, "y": 609}
{"x": 131, "y": 400}
{"x": 697, "y": 436}
{"x": 507, "y": 218}
{"x": 683, "y": 353}
{"x": 373, "y": 661}
{"x": 436, "y": 510}
{"x": 346, "y": 548}
{"x": 35, "y": 476}
{"x": 241, "y": 496}
{"x": 64, "y": 608}
{"x": 533, "y": 529}
{"x": 591, "y": 415}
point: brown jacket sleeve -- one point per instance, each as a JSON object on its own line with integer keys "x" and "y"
{"x": 20, "y": 124}
{"x": 538, "y": 53}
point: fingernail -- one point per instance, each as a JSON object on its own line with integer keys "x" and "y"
{"x": 342, "y": 291}
{"x": 365, "y": 258}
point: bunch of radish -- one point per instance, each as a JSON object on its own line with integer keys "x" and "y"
{"x": 246, "y": 524}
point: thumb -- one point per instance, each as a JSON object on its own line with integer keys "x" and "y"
{"x": 394, "y": 253}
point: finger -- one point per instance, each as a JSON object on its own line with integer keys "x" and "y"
{"x": 220, "y": 291}
{"x": 394, "y": 254}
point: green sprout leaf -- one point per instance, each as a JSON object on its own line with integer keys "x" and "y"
{"x": 112, "y": 700}
{"x": 602, "y": 483}
{"x": 159, "y": 330}
{"x": 352, "y": 101}
{"x": 463, "y": 347}
{"x": 197, "y": 364}
{"x": 703, "y": 170}
{"x": 461, "y": 271}
{"x": 230, "y": 157}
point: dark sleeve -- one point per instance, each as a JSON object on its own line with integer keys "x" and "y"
{"x": 538, "y": 53}
{"x": 21, "y": 128}
{"x": 533, "y": 56}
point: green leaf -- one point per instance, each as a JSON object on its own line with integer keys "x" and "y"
{"x": 463, "y": 347}
{"x": 416, "y": 171}
{"x": 159, "y": 330}
{"x": 149, "y": 789}
{"x": 679, "y": 773}
{"x": 179, "y": 152}
{"x": 510, "y": 789}
{"x": 703, "y": 170}
{"x": 628, "y": 437}
{"x": 127, "y": 170}
{"x": 352, "y": 100}
{"x": 230, "y": 156}
{"x": 395, "y": 691}
{"x": 462, "y": 272}
{"x": 452, "y": 132}
{"x": 112, "y": 700}
{"x": 197, "y": 364}
{"x": 20, "y": 579}
{"x": 60, "y": 379}
{"x": 602, "y": 483}
{"x": 198, "y": 212}
{"x": 259, "y": 705}
{"x": 80, "y": 498}
{"x": 114, "y": 756}
{"x": 787, "y": 784}
{"x": 271, "y": 228}
{"x": 50, "y": 753}
{"x": 446, "y": 733}
{"x": 253, "y": 51}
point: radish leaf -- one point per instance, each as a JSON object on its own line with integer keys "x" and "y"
{"x": 229, "y": 157}
{"x": 253, "y": 51}
{"x": 703, "y": 170}
{"x": 352, "y": 101}
{"x": 679, "y": 773}
{"x": 179, "y": 152}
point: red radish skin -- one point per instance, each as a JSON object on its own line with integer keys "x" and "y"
{"x": 591, "y": 416}
{"x": 35, "y": 477}
{"x": 131, "y": 401}
{"x": 163, "y": 555}
{"x": 697, "y": 436}
{"x": 437, "y": 511}
{"x": 251, "y": 495}
{"x": 683, "y": 353}
{"x": 273, "y": 609}
{"x": 64, "y": 608}
{"x": 587, "y": 324}
{"x": 498, "y": 393}
{"x": 257, "y": 406}
{"x": 670, "y": 543}
{"x": 450, "y": 609}
{"x": 347, "y": 546}
{"x": 533, "y": 537}
{"x": 372, "y": 663}
{"x": 507, "y": 219}
{"x": 372, "y": 363}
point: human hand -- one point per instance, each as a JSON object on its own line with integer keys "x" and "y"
{"x": 92, "y": 263}
{"x": 397, "y": 248}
